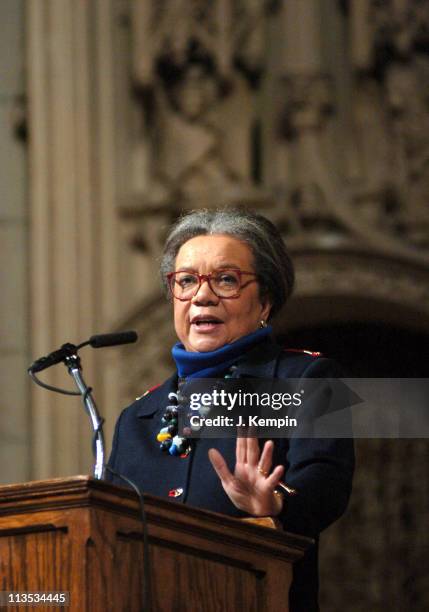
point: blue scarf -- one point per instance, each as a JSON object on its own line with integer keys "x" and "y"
{"x": 212, "y": 363}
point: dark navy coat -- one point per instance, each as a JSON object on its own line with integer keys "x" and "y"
{"x": 320, "y": 469}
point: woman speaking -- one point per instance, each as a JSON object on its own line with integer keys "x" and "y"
{"x": 228, "y": 273}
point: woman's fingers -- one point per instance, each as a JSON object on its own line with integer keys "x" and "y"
{"x": 266, "y": 460}
{"x": 252, "y": 451}
{"x": 275, "y": 476}
{"x": 241, "y": 448}
{"x": 220, "y": 466}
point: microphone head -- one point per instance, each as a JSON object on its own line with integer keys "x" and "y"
{"x": 101, "y": 340}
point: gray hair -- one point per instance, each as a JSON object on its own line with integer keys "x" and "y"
{"x": 273, "y": 266}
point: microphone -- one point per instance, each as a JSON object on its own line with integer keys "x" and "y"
{"x": 97, "y": 341}
{"x": 101, "y": 340}
{"x": 53, "y": 358}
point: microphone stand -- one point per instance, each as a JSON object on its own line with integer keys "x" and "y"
{"x": 68, "y": 355}
{"x": 72, "y": 361}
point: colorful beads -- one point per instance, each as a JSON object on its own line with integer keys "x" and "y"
{"x": 161, "y": 437}
{"x": 178, "y": 446}
{"x": 170, "y": 441}
{"x": 165, "y": 445}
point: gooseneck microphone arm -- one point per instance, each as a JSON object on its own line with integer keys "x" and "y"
{"x": 68, "y": 355}
{"x": 74, "y": 368}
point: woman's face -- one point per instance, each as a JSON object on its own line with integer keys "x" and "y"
{"x": 225, "y": 320}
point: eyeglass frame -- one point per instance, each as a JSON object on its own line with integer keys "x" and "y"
{"x": 207, "y": 277}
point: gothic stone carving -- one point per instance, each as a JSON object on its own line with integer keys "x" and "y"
{"x": 391, "y": 118}
{"x": 355, "y": 142}
{"x": 196, "y": 66}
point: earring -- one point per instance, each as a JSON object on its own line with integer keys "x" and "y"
{"x": 262, "y": 324}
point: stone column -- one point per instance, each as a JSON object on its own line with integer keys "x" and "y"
{"x": 74, "y": 233}
{"x": 14, "y": 344}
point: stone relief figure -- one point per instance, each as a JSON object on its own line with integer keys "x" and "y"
{"x": 407, "y": 88}
{"x": 190, "y": 159}
{"x": 390, "y": 115}
{"x": 196, "y": 66}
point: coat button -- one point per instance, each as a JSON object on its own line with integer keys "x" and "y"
{"x": 175, "y": 492}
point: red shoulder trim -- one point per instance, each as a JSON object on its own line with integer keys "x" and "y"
{"x": 148, "y": 391}
{"x": 153, "y": 388}
{"x": 307, "y": 352}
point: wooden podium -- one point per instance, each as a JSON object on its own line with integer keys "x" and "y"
{"x": 84, "y": 536}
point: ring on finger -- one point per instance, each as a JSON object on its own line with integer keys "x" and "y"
{"x": 262, "y": 471}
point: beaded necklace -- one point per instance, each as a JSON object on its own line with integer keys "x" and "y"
{"x": 190, "y": 365}
{"x": 170, "y": 440}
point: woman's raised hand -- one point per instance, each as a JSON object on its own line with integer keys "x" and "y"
{"x": 251, "y": 486}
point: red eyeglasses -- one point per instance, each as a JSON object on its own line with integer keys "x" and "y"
{"x": 226, "y": 284}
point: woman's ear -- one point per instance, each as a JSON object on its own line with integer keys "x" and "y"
{"x": 266, "y": 309}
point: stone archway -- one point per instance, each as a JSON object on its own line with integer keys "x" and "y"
{"x": 352, "y": 285}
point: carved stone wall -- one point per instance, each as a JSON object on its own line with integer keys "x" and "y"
{"x": 315, "y": 113}
{"x": 375, "y": 556}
